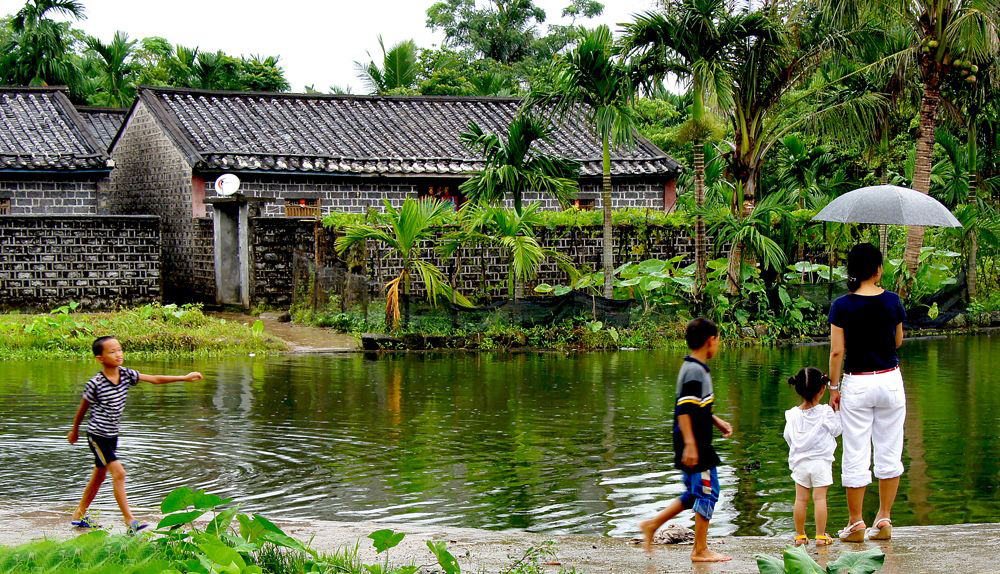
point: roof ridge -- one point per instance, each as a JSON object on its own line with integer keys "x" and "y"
{"x": 319, "y": 96}
{"x": 34, "y": 88}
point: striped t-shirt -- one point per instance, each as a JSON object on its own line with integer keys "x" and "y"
{"x": 107, "y": 401}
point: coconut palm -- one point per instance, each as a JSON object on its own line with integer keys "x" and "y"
{"x": 116, "y": 69}
{"x": 38, "y": 52}
{"x": 947, "y": 36}
{"x": 398, "y": 71}
{"x": 515, "y": 165}
{"x": 414, "y": 223}
{"x": 693, "y": 40}
{"x": 591, "y": 80}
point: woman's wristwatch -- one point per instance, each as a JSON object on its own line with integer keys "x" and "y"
{"x": 834, "y": 387}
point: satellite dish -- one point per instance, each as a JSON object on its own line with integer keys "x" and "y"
{"x": 227, "y": 184}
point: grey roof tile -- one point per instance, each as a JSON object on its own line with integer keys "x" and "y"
{"x": 103, "y": 122}
{"x": 40, "y": 130}
{"x": 365, "y": 134}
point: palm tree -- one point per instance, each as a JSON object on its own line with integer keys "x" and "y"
{"x": 944, "y": 35}
{"x": 513, "y": 234}
{"x": 693, "y": 40}
{"x": 591, "y": 80}
{"x": 38, "y": 52}
{"x": 515, "y": 165}
{"x": 116, "y": 68}
{"x": 414, "y": 223}
{"x": 398, "y": 72}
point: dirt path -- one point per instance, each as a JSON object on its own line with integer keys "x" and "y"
{"x": 965, "y": 549}
{"x": 299, "y": 338}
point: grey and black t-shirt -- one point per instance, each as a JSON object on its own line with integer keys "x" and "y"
{"x": 107, "y": 401}
{"x": 695, "y": 398}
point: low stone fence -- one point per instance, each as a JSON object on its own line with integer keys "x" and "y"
{"x": 100, "y": 261}
{"x": 481, "y": 270}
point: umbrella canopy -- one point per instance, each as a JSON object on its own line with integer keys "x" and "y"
{"x": 888, "y": 205}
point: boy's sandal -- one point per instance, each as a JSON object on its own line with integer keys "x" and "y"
{"x": 801, "y": 540}
{"x": 85, "y": 522}
{"x": 883, "y": 532}
{"x": 135, "y": 527}
{"x": 852, "y": 533}
{"x": 823, "y": 540}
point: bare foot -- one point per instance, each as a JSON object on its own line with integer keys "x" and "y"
{"x": 648, "y": 530}
{"x": 709, "y": 556}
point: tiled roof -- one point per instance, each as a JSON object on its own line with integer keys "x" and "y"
{"x": 103, "y": 122}
{"x": 362, "y": 134}
{"x": 40, "y": 130}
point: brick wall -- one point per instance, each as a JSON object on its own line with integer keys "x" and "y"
{"x": 203, "y": 274}
{"x": 275, "y": 241}
{"x": 152, "y": 176}
{"x": 99, "y": 261}
{"x": 358, "y": 195}
{"x": 50, "y": 196}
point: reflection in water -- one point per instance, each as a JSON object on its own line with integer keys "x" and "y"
{"x": 538, "y": 441}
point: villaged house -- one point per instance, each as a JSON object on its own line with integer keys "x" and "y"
{"x": 302, "y": 155}
{"x": 50, "y": 161}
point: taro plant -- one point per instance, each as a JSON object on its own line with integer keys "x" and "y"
{"x": 797, "y": 561}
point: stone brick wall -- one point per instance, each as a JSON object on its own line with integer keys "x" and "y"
{"x": 203, "y": 275}
{"x": 152, "y": 176}
{"x": 56, "y": 196}
{"x": 358, "y": 195}
{"x": 99, "y": 261}
{"x": 275, "y": 241}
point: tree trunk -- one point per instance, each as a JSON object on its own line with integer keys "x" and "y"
{"x": 700, "y": 241}
{"x": 922, "y": 170}
{"x": 970, "y": 274}
{"x": 607, "y": 259}
{"x": 736, "y": 256}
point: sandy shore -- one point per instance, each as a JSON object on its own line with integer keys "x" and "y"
{"x": 964, "y": 549}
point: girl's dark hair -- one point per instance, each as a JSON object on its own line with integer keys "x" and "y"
{"x": 863, "y": 262}
{"x": 808, "y": 382}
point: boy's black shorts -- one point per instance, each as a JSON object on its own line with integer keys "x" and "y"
{"x": 103, "y": 448}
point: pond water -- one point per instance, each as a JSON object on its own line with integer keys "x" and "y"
{"x": 547, "y": 442}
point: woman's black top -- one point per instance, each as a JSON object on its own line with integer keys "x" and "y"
{"x": 869, "y": 323}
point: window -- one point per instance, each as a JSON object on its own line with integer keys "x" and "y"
{"x": 302, "y": 208}
{"x": 5, "y": 206}
{"x": 445, "y": 192}
{"x": 584, "y": 204}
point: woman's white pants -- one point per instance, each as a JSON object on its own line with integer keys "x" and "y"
{"x": 873, "y": 408}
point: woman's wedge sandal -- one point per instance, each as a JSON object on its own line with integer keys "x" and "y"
{"x": 883, "y": 532}
{"x": 823, "y": 540}
{"x": 801, "y": 540}
{"x": 852, "y": 533}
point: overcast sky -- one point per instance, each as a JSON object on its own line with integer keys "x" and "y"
{"x": 318, "y": 40}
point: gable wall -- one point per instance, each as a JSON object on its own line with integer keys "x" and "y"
{"x": 152, "y": 177}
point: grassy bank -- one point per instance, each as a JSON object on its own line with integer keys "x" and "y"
{"x": 230, "y": 541}
{"x": 150, "y": 330}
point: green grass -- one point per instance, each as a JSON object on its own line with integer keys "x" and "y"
{"x": 147, "y": 331}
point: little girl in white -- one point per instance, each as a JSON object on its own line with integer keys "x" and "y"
{"x": 810, "y": 429}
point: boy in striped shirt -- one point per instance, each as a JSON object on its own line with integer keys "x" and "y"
{"x": 694, "y": 454}
{"x": 105, "y": 396}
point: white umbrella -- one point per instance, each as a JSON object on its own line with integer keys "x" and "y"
{"x": 888, "y": 205}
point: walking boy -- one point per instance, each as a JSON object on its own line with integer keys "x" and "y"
{"x": 105, "y": 396}
{"x": 694, "y": 455}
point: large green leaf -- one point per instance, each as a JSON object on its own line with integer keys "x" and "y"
{"x": 220, "y": 523}
{"x": 179, "y": 518}
{"x": 177, "y": 499}
{"x": 383, "y": 540}
{"x": 222, "y": 554}
{"x": 205, "y": 501}
{"x": 445, "y": 559}
{"x": 287, "y": 541}
{"x": 797, "y": 561}
{"x": 866, "y": 562}
{"x": 769, "y": 564}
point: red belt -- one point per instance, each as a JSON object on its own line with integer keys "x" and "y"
{"x": 875, "y": 372}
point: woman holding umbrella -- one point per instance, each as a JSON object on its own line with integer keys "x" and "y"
{"x": 866, "y": 328}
